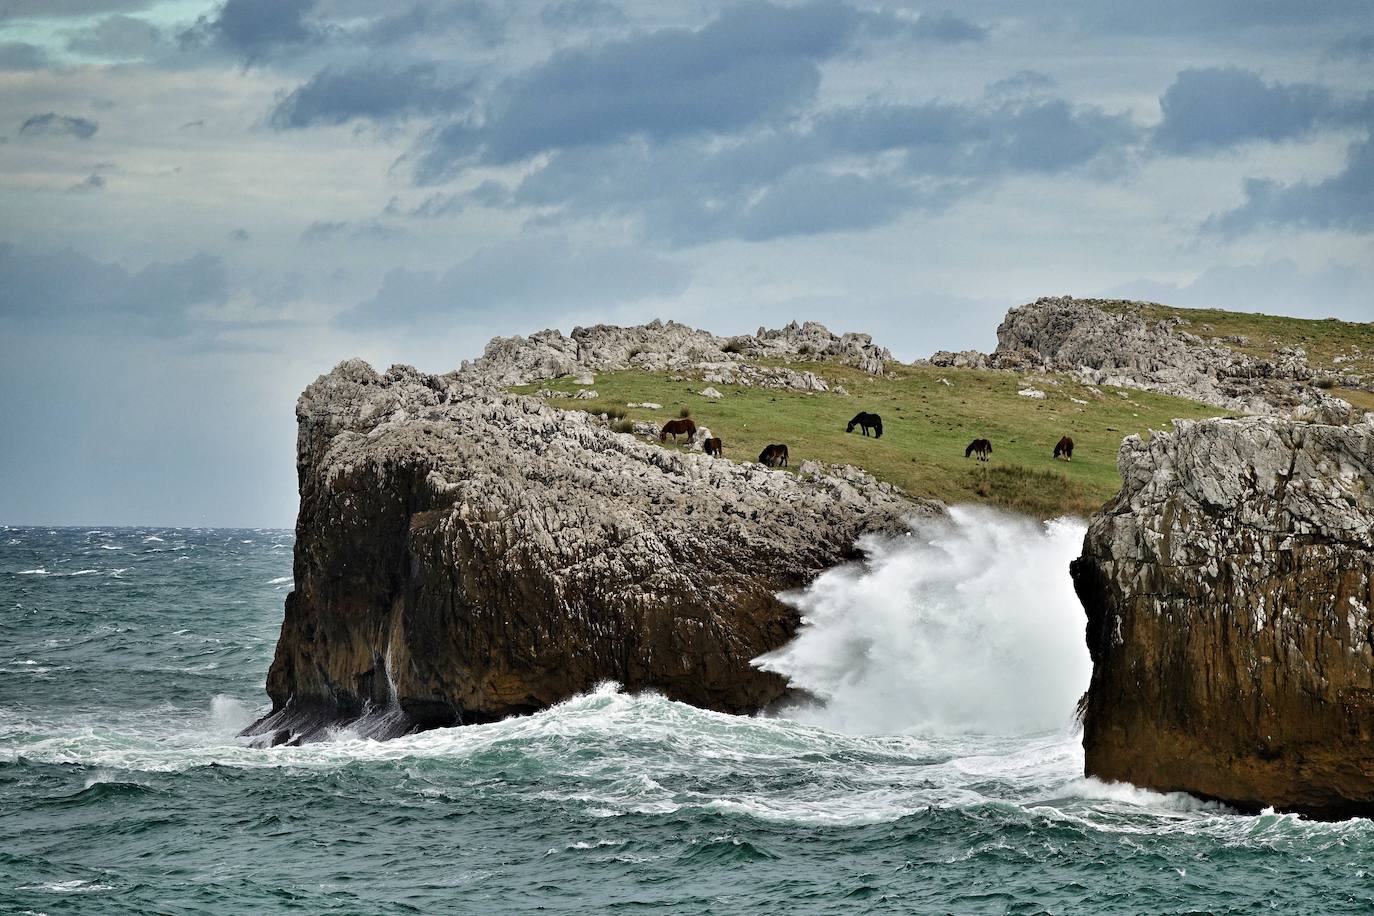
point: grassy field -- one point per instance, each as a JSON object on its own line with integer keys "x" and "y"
{"x": 927, "y": 423}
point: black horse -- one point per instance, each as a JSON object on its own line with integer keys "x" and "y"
{"x": 1064, "y": 447}
{"x": 866, "y": 421}
{"x": 980, "y": 447}
{"x": 773, "y": 456}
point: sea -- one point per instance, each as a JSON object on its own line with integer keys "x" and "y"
{"x": 935, "y": 768}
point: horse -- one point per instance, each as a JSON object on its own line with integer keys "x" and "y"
{"x": 980, "y": 447}
{"x": 1065, "y": 448}
{"x": 866, "y": 421}
{"x": 673, "y": 427}
{"x": 712, "y": 446}
{"x": 773, "y": 456}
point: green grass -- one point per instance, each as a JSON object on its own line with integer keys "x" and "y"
{"x": 926, "y": 425}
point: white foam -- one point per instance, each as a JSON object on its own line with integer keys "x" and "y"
{"x": 33, "y": 572}
{"x": 280, "y": 580}
{"x": 967, "y": 625}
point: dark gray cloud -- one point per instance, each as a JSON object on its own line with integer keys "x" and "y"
{"x": 239, "y": 235}
{"x": 797, "y": 180}
{"x": 1218, "y": 108}
{"x": 537, "y": 275}
{"x": 54, "y": 9}
{"x": 18, "y": 55}
{"x": 91, "y": 182}
{"x": 947, "y": 28}
{"x": 371, "y": 230}
{"x": 375, "y": 91}
{"x": 1358, "y": 46}
{"x": 71, "y": 286}
{"x": 1344, "y": 201}
{"x": 755, "y": 62}
{"x": 254, "y": 29}
{"x": 54, "y": 124}
{"x": 473, "y": 19}
{"x": 582, "y": 14}
{"x": 119, "y": 37}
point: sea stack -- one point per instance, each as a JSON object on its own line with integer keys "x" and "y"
{"x": 1228, "y": 590}
{"x": 463, "y": 554}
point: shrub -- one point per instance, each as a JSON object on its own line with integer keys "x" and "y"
{"x": 684, "y": 413}
{"x": 615, "y": 413}
{"x": 733, "y": 346}
{"x": 623, "y": 425}
{"x": 1326, "y": 382}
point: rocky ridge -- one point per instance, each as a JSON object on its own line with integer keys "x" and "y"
{"x": 1228, "y": 591}
{"x": 1105, "y": 342}
{"x": 464, "y": 554}
{"x": 672, "y": 347}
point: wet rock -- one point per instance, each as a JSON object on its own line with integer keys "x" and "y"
{"x": 1228, "y": 590}
{"x": 464, "y": 555}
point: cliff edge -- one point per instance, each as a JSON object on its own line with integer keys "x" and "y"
{"x": 1228, "y": 590}
{"x": 463, "y": 555}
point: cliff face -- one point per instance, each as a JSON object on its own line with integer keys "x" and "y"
{"x": 464, "y": 555}
{"x": 1228, "y": 591}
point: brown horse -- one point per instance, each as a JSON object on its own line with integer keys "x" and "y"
{"x": 774, "y": 456}
{"x": 980, "y": 447}
{"x": 713, "y": 446}
{"x": 866, "y": 421}
{"x": 672, "y": 428}
{"x": 1065, "y": 448}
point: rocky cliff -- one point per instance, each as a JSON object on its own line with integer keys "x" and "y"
{"x": 1228, "y": 591}
{"x": 673, "y": 347}
{"x": 1108, "y": 342}
{"x": 464, "y": 554}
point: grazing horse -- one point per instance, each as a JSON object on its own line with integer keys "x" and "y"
{"x": 774, "y": 456}
{"x": 980, "y": 447}
{"x": 713, "y": 446}
{"x": 1065, "y": 448}
{"x": 674, "y": 427}
{"x": 866, "y": 421}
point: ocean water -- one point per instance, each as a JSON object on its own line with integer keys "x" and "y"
{"x": 937, "y": 772}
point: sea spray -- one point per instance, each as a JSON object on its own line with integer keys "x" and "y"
{"x": 968, "y": 624}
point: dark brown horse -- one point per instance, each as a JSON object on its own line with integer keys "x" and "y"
{"x": 672, "y": 428}
{"x": 866, "y": 421}
{"x": 774, "y": 456}
{"x": 980, "y": 447}
{"x": 713, "y": 446}
{"x": 1065, "y": 448}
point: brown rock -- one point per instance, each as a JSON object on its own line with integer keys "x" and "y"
{"x": 1228, "y": 590}
{"x": 464, "y": 555}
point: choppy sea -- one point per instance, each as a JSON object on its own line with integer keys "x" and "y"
{"x": 937, "y": 772}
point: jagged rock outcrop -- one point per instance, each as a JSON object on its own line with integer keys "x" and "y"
{"x": 463, "y": 555}
{"x": 672, "y": 347}
{"x": 1228, "y": 591}
{"x": 1109, "y": 342}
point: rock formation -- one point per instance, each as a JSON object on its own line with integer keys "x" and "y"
{"x": 673, "y": 347}
{"x": 464, "y": 554}
{"x": 1108, "y": 342}
{"x": 1228, "y": 591}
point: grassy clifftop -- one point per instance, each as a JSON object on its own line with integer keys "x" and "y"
{"x": 929, "y": 416}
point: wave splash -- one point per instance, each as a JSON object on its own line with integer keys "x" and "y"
{"x": 967, "y": 625}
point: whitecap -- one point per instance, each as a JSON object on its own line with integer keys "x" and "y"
{"x": 40, "y": 571}
{"x": 281, "y": 580}
{"x": 111, "y": 547}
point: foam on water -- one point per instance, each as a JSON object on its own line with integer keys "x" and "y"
{"x": 965, "y": 625}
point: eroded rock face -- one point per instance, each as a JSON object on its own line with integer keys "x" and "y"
{"x": 463, "y": 555}
{"x": 1228, "y": 591}
{"x": 672, "y": 347}
{"x": 1108, "y": 342}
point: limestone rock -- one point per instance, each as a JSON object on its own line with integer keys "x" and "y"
{"x": 464, "y": 555}
{"x": 1228, "y": 590}
{"x": 711, "y": 393}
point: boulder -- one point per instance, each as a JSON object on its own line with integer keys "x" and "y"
{"x": 1228, "y": 590}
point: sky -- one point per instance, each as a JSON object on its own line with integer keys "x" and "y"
{"x": 205, "y": 205}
